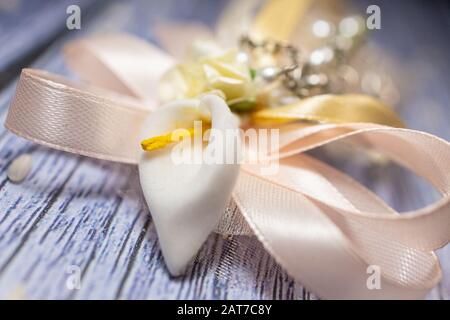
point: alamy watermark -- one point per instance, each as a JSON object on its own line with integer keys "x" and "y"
{"x": 228, "y": 146}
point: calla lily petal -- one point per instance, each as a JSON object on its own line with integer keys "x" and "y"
{"x": 186, "y": 200}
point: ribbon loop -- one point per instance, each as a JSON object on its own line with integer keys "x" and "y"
{"x": 50, "y": 110}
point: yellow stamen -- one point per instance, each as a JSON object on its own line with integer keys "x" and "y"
{"x": 162, "y": 141}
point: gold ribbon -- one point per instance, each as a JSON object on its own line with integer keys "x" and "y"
{"x": 331, "y": 109}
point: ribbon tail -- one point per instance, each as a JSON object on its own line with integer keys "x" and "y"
{"x": 310, "y": 246}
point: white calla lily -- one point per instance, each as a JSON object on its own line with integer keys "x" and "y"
{"x": 186, "y": 200}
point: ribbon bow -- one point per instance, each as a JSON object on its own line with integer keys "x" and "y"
{"x": 320, "y": 225}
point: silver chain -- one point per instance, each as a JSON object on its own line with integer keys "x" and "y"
{"x": 295, "y": 75}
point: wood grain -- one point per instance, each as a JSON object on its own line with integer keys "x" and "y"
{"x": 78, "y": 212}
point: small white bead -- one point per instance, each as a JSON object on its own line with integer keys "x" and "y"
{"x": 20, "y": 168}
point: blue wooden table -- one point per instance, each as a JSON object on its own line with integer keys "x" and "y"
{"x": 78, "y": 218}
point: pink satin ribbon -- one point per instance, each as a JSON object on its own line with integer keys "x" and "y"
{"x": 324, "y": 228}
